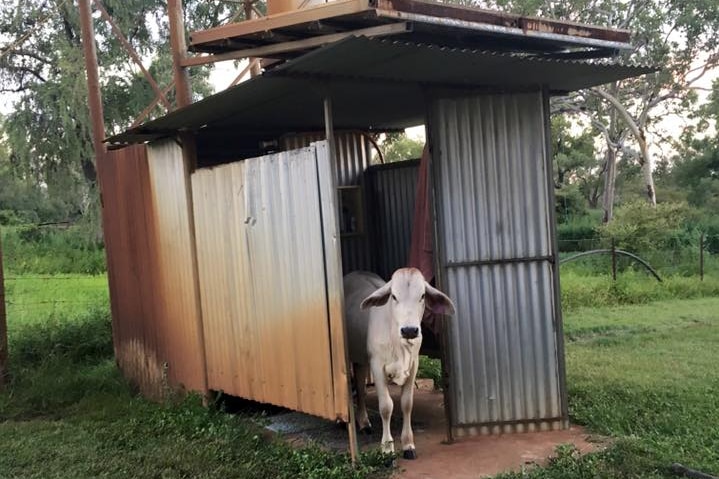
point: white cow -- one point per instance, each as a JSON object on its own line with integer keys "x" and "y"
{"x": 384, "y": 337}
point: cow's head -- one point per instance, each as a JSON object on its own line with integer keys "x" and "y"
{"x": 409, "y": 295}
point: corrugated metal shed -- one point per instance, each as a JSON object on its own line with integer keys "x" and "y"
{"x": 375, "y": 84}
{"x": 497, "y": 260}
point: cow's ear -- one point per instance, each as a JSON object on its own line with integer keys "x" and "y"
{"x": 378, "y": 298}
{"x": 436, "y": 301}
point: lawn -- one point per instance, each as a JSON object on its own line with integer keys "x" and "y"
{"x": 645, "y": 375}
{"x": 69, "y": 414}
{"x": 648, "y": 376}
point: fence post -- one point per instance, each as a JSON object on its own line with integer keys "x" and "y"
{"x": 614, "y": 260}
{"x": 3, "y": 326}
{"x": 701, "y": 257}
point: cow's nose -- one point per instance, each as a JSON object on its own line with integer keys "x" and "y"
{"x": 409, "y": 332}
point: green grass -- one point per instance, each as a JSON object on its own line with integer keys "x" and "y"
{"x": 35, "y": 298}
{"x": 648, "y": 377}
{"x": 68, "y": 413}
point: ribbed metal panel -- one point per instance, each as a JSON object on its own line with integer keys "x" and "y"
{"x": 495, "y": 252}
{"x": 263, "y": 283}
{"x": 353, "y": 151}
{"x": 150, "y": 252}
{"x": 392, "y": 189}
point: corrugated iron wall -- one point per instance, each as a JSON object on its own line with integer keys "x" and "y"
{"x": 261, "y": 256}
{"x": 150, "y": 253}
{"x": 353, "y": 151}
{"x": 391, "y": 189}
{"x": 496, "y": 257}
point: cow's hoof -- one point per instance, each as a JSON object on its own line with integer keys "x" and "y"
{"x": 410, "y": 454}
{"x": 367, "y": 430}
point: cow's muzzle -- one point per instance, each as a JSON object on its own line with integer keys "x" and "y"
{"x": 409, "y": 332}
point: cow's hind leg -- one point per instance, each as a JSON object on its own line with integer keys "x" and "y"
{"x": 409, "y": 451}
{"x": 385, "y": 406}
{"x": 363, "y": 422}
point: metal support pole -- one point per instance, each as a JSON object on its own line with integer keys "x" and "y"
{"x": 3, "y": 326}
{"x": 131, "y": 51}
{"x": 701, "y": 257}
{"x": 94, "y": 97}
{"x": 614, "y": 260}
{"x": 330, "y": 137}
{"x": 183, "y": 91}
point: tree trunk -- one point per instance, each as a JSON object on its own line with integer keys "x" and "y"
{"x": 610, "y": 176}
{"x": 3, "y": 327}
{"x": 645, "y": 159}
{"x": 646, "y": 163}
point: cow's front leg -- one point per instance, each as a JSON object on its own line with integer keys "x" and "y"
{"x": 408, "y": 448}
{"x": 361, "y": 371}
{"x": 385, "y": 405}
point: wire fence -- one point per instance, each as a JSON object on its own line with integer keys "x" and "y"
{"x": 698, "y": 257}
{"x": 33, "y": 298}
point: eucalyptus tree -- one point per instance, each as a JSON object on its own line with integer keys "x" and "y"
{"x": 42, "y": 83}
{"x": 681, "y": 37}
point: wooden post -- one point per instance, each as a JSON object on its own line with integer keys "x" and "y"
{"x": 701, "y": 257}
{"x": 183, "y": 91}
{"x": 3, "y": 326}
{"x": 614, "y": 260}
{"x": 94, "y": 96}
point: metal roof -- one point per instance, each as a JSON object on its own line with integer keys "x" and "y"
{"x": 374, "y": 84}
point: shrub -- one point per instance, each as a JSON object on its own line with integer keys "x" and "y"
{"x": 641, "y": 228}
{"x": 41, "y": 250}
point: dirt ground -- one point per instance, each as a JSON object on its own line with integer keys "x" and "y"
{"x": 471, "y": 457}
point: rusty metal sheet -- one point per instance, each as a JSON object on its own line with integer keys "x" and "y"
{"x": 455, "y": 24}
{"x": 148, "y": 239}
{"x": 496, "y": 252}
{"x": 263, "y": 284}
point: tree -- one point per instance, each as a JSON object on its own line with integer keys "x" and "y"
{"x": 42, "y": 72}
{"x": 398, "y": 147}
{"x": 576, "y": 169}
{"x": 679, "y": 36}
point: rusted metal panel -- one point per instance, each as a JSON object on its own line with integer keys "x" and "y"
{"x": 263, "y": 24}
{"x": 148, "y": 240}
{"x": 441, "y": 20}
{"x": 263, "y": 283}
{"x": 518, "y": 24}
{"x": 392, "y": 189}
{"x": 353, "y": 154}
{"x": 496, "y": 254}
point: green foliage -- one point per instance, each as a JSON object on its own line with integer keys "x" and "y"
{"x": 576, "y": 175}
{"x": 578, "y": 234}
{"x": 639, "y": 227}
{"x": 399, "y": 147}
{"x": 47, "y": 250}
{"x": 67, "y": 412}
{"x": 430, "y": 368}
{"x": 631, "y": 287}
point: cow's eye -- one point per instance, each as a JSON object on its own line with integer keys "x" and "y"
{"x": 394, "y": 298}
{"x": 421, "y": 298}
